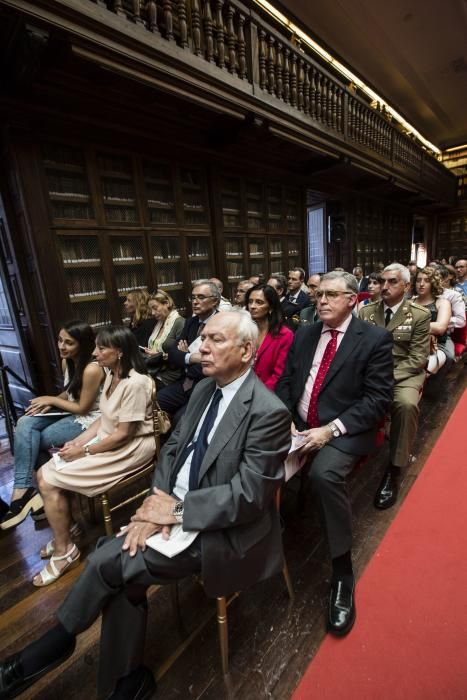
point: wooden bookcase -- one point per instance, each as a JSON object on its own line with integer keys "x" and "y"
{"x": 121, "y": 222}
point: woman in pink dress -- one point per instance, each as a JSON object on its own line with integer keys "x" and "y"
{"x": 274, "y": 339}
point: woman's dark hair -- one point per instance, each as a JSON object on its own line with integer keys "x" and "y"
{"x": 84, "y": 336}
{"x": 122, "y": 338}
{"x": 275, "y": 317}
{"x": 376, "y": 277}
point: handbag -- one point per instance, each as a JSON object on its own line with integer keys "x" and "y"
{"x": 160, "y": 419}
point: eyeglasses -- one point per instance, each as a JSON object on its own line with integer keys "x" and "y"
{"x": 330, "y": 293}
{"x": 200, "y": 297}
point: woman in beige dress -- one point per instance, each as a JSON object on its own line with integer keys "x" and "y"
{"x": 118, "y": 443}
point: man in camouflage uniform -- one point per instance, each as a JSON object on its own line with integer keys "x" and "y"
{"x": 409, "y": 324}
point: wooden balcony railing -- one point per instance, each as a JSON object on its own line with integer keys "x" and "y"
{"x": 240, "y": 41}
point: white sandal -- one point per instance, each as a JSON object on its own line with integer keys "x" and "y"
{"x": 45, "y": 577}
{"x": 48, "y": 550}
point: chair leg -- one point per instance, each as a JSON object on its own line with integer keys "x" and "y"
{"x": 222, "y": 628}
{"x": 288, "y": 581}
{"x": 106, "y": 514}
{"x": 175, "y": 600}
{"x": 92, "y": 509}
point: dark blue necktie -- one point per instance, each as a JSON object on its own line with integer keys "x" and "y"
{"x": 201, "y": 444}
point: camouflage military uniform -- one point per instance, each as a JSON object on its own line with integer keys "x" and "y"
{"x": 410, "y": 328}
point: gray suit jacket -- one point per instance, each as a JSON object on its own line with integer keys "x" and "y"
{"x": 234, "y": 506}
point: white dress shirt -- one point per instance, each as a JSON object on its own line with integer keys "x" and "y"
{"x": 305, "y": 398}
{"x": 228, "y": 392}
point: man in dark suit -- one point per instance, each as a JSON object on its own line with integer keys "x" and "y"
{"x": 205, "y": 298}
{"x": 217, "y": 475}
{"x": 310, "y": 313}
{"x": 338, "y": 385}
{"x": 362, "y": 281}
{"x": 295, "y": 299}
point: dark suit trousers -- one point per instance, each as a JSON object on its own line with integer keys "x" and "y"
{"x": 115, "y": 584}
{"x": 328, "y": 471}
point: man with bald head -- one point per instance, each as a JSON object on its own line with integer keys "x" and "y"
{"x": 216, "y": 481}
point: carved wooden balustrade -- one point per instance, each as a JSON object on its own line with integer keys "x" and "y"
{"x": 240, "y": 41}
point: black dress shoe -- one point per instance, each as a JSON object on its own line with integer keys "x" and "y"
{"x": 341, "y": 613}
{"x": 13, "y": 680}
{"x": 20, "y": 508}
{"x": 138, "y": 685}
{"x": 386, "y": 495}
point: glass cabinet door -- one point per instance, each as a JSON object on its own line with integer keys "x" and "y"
{"x": 199, "y": 257}
{"x": 194, "y": 202}
{"x": 231, "y": 202}
{"x": 235, "y": 261}
{"x": 118, "y": 189}
{"x": 257, "y": 256}
{"x": 293, "y": 249}
{"x": 165, "y": 252}
{"x": 128, "y": 264}
{"x": 159, "y": 192}
{"x": 254, "y": 206}
{"x": 276, "y": 255}
{"x": 274, "y": 205}
{"x": 84, "y": 278}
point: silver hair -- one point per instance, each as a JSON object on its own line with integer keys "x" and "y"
{"x": 397, "y": 267}
{"x": 247, "y": 330}
{"x": 212, "y": 288}
{"x": 350, "y": 281}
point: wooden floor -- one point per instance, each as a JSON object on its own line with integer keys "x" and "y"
{"x": 271, "y": 641}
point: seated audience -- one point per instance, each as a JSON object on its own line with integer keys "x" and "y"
{"x": 169, "y": 325}
{"x": 224, "y": 304}
{"x": 362, "y": 281}
{"x": 185, "y": 355}
{"x": 118, "y": 443}
{"x": 310, "y": 313}
{"x": 295, "y": 299}
{"x": 461, "y": 281}
{"x": 50, "y": 421}
{"x": 429, "y": 295}
{"x": 409, "y": 324}
{"x": 337, "y": 385}
{"x": 141, "y": 323}
{"x": 274, "y": 338}
{"x": 217, "y": 477}
{"x": 279, "y": 283}
{"x": 454, "y": 297}
{"x": 375, "y": 281}
{"x": 240, "y": 295}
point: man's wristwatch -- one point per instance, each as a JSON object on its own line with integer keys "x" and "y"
{"x": 334, "y": 430}
{"x": 177, "y": 511}
{"x": 86, "y": 451}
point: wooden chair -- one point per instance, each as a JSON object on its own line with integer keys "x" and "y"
{"x": 222, "y": 603}
{"x": 145, "y": 472}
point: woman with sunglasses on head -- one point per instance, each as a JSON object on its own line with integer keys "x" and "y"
{"x": 429, "y": 294}
{"x": 118, "y": 443}
{"x": 50, "y": 421}
{"x": 141, "y": 323}
{"x": 275, "y": 339}
{"x": 166, "y": 332}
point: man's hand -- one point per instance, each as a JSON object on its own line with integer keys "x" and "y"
{"x": 314, "y": 439}
{"x": 182, "y": 346}
{"x": 136, "y": 535}
{"x": 156, "y": 509}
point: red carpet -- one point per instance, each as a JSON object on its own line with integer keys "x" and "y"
{"x": 410, "y": 638}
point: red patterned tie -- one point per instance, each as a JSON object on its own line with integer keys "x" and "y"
{"x": 329, "y": 352}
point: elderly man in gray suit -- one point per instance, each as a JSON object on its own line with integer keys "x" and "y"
{"x": 217, "y": 475}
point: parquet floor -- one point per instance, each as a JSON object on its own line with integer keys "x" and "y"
{"x": 271, "y": 641}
